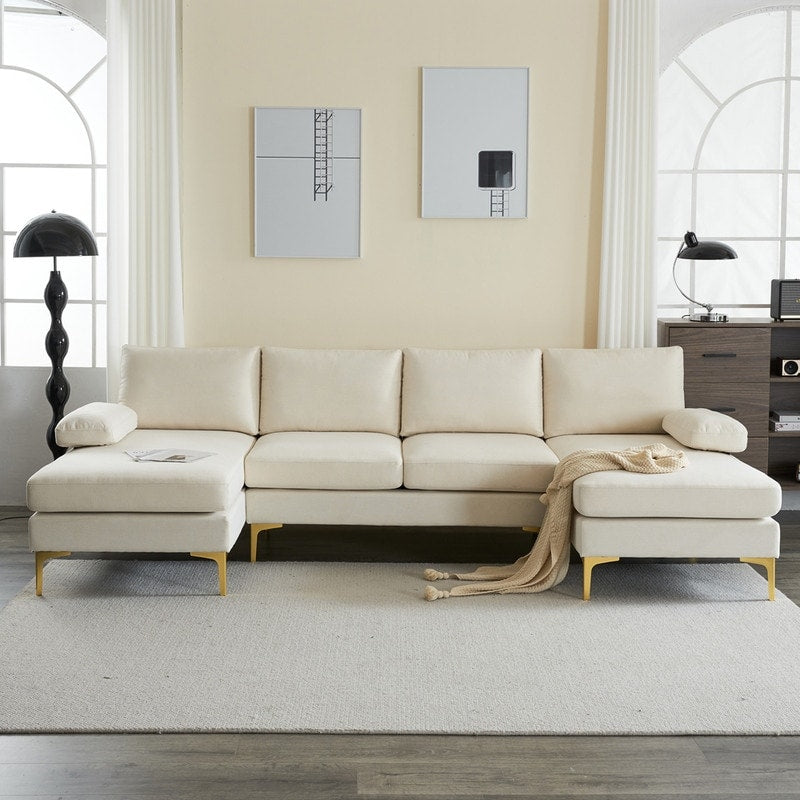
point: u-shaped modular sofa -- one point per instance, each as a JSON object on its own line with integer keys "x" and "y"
{"x": 397, "y": 437}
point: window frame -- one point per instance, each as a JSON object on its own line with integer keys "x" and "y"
{"x": 97, "y": 171}
{"x": 782, "y": 239}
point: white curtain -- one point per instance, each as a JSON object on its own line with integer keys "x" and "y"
{"x": 145, "y": 286}
{"x": 627, "y": 310}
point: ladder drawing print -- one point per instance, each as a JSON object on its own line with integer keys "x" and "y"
{"x": 323, "y": 152}
{"x": 498, "y": 203}
{"x": 307, "y": 184}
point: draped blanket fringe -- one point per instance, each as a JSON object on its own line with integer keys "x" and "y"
{"x": 546, "y": 564}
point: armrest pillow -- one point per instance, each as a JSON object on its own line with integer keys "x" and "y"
{"x": 96, "y": 424}
{"x": 703, "y": 429}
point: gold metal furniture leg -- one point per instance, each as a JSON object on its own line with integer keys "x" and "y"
{"x": 255, "y": 529}
{"x": 769, "y": 565}
{"x": 221, "y": 559}
{"x": 41, "y": 557}
{"x": 530, "y": 528}
{"x": 589, "y": 563}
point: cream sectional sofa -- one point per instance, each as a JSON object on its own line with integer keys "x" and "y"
{"x": 390, "y": 437}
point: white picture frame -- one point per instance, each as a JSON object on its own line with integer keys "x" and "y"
{"x": 307, "y": 198}
{"x": 466, "y": 112}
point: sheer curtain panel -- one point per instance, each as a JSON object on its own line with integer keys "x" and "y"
{"x": 145, "y": 285}
{"x": 627, "y": 316}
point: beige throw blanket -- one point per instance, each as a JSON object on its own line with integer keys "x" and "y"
{"x": 547, "y": 563}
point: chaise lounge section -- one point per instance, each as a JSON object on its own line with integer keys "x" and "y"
{"x": 716, "y": 507}
{"x": 96, "y": 498}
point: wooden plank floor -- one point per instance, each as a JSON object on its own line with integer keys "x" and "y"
{"x": 245, "y": 767}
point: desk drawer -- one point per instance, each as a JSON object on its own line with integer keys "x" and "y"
{"x": 724, "y": 355}
{"x": 747, "y": 402}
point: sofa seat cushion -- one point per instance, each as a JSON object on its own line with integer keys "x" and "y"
{"x": 712, "y": 485}
{"x": 106, "y": 479}
{"x": 496, "y": 462}
{"x": 325, "y": 460}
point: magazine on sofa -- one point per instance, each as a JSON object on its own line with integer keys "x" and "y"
{"x": 172, "y": 456}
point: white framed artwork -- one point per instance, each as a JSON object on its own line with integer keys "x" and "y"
{"x": 475, "y": 142}
{"x": 307, "y": 182}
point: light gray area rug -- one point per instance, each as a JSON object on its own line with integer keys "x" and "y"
{"x": 333, "y": 647}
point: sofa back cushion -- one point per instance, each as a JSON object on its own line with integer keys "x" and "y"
{"x": 330, "y": 390}
{"x": 192, "y": 388}
{"x": 626, "y": 390}
{"x": 478, "y": 391}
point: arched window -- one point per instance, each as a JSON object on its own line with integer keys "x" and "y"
{"x": 729, "y": 162}
{"x": 52, "y": 156}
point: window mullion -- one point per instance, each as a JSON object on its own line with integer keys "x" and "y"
{"x": 94, "y": 266}
{"x": 700, "y": 85}
{"x": 86, "y": 77}
{"x": 787, "y": 115}
{"x": 2, "y": 258}
{"x": 693, "y": 222}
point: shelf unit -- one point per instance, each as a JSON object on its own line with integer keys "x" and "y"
{"x": 734, "y": 367}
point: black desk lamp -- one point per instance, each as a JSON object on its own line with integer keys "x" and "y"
{"x": 55, "y": 235}
{"x": 709, "y": 250}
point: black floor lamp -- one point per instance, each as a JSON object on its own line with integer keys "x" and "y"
{"x": 55, "y": 235}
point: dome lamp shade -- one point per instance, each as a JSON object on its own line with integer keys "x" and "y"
{"x": 55, "y": 234}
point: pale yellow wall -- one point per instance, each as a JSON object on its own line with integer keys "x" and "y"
{"x": 435, "y": 283}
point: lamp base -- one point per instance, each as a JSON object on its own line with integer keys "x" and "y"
{"x": 708, "y": 318}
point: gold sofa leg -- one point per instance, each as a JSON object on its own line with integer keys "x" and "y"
{"x": 221, "y": 559}
{"x": 255, "y": 529}
{"x": 589, "y": 563}
{"x": 769, "y": 565}
{"x": 41, "y": 557}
